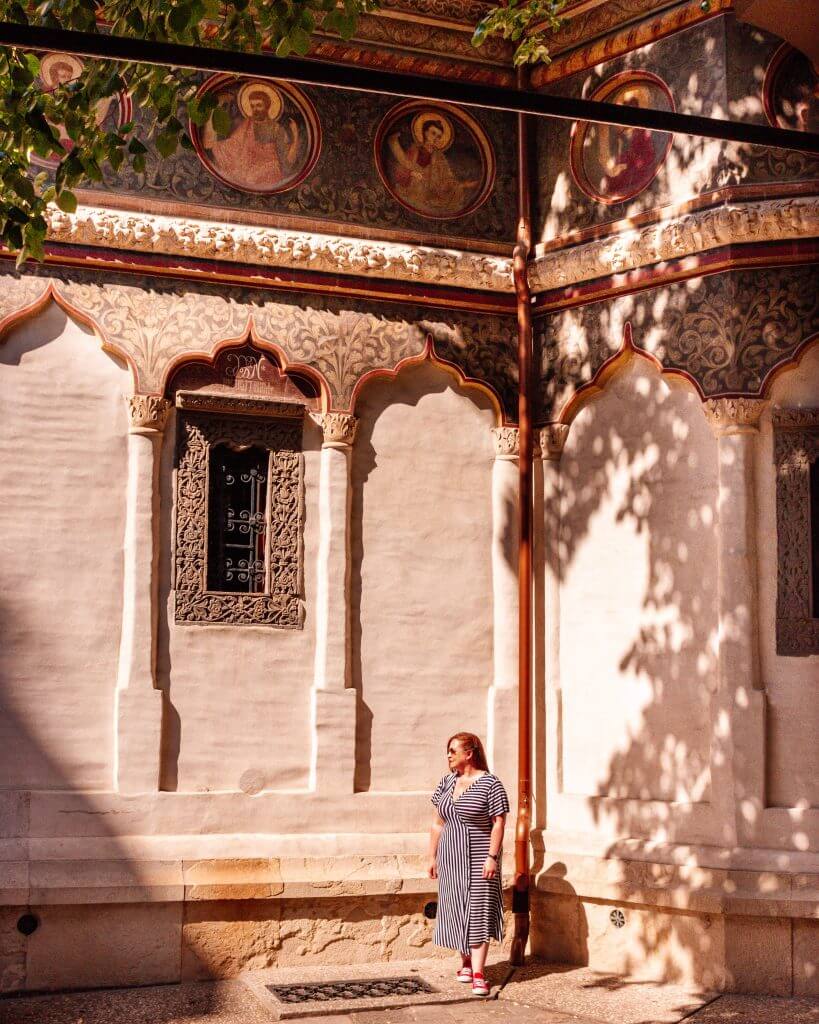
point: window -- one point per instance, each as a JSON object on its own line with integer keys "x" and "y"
{"x": 796, "y": 455}
{"x": 237, "y": 520}
{"x": 238, "y": 529}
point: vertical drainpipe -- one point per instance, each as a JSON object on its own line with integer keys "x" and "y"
{"x": 520, "y": 893}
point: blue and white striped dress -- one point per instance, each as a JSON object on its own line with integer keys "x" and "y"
{"x": 470, "y": 907}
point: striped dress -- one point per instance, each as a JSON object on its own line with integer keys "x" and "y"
{"x": 470, "y": 907}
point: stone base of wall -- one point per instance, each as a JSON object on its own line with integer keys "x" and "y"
{"x": 104, "y": 923}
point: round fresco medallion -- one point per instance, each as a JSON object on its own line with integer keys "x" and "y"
{"x": 790, "y": 91}
{"x": 435, "y": 160}
{"x": 274, "y": 137}
{"x": 58, "y": 69}
{"x": 611, "y": 163}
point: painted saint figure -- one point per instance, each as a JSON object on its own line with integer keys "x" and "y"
{"x": 260, "y": 152}
{"x": 422, "y": 175}
{"x": 628, "y": 157}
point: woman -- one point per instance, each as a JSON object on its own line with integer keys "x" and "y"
{"x": 464, "y": 855}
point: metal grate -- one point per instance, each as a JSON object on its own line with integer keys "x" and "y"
{"x": 369, "y": 989}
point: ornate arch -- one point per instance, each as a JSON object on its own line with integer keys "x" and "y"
{"x": 429, "y": 355}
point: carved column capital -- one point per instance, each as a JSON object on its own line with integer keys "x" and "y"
{"x": 338, "y": 428}
{"x": 148, "y": 412}
{"x": 733, "y": 415}
{"x": 506, "y": 441}
{"x": 552, "y": 439}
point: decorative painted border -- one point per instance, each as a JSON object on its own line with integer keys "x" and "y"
{"x": 621, "y": 39}
{"x": 299, "y": 99}
{"x": 796, "y": 447}
{"x": 263, "y": 246}
{"x": 454, "y": 114}
{"x": 696, "y": 232}
{"x": 579, "y": 129}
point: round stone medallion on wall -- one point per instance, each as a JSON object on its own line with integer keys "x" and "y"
{"x": 434, "y": 159}
{"x": 58, "y": 69}
{"x": 612, "y": 163}
{"x": 790, "y": 91}
{"x": 273, "y": 139}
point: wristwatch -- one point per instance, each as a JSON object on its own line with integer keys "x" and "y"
{"x": 494, "y": 856}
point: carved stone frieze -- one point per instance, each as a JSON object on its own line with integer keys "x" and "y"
{"x": 552, "y": 440}
{"x": 466, "y": 12}
{"x": 338, "y": 428}
{"x": 726, "y": 415}
{"x": 264, "y": 246}
{"x": 506, "y": 441}
{"x": 148, "y": 412}
{"x": 280, "y": 605}
{"x": 698, "y": 231}
{"x": 227, "y": 404}
{"x": 155, "y": 323}
{"x": 796, "y": 448}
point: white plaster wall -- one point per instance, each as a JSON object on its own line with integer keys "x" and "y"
{"x": 63, "y": 466}
{"x": 638, "y": 594}
{"x": 791, "y": 684}
{"x": 237, "y": 698}
{"x": 422, "y": 587}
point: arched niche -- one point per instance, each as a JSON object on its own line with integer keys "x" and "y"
{"x": 63, "y": 474}
{"x": 421, "y": 571}
{"x": 638, "y": 592}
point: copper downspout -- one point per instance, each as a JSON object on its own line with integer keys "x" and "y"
{"x": 520, "y": 893}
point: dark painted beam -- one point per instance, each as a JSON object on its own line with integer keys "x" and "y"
{"x": 391, "y": 83}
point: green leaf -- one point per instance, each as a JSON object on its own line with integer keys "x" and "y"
{"x": 300, "y": 40}
{"x": 221, "y": 122}
{"x": 166, "y": 143}
{"x": 66, "y": 201}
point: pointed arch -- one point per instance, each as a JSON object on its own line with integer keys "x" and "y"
{"x": 429, "y": 355}
{"x": 51, "y": 294}
{"x": 250, "y": 336}
{"x": 621, "y": 358}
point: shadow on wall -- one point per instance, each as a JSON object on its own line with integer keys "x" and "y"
{"x": 636, "y": 553}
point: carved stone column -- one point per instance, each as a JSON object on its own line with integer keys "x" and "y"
{"x": 738, "y": 719}
{"x": 334, "y": 701}
{"x": 138, "y": 706}
{"x": 548, "y": 767}
{"x": 502, "y": 708}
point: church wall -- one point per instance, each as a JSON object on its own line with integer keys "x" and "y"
{"x": 714, "y": 69}
{"x": 237, "y": 697}
{"x": 638, "y": 593}
{"x": 62, "y": 463}
{"x": 421, "y": 574}
{"x": 792, "y": 763}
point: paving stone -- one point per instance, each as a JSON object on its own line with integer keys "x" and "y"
{"x": 605, "y": 997}
{"x": 221, "y": 1002}
{"x": 732, "y": 1009}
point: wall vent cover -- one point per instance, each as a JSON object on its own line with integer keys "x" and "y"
{"x": 371, "y": 988}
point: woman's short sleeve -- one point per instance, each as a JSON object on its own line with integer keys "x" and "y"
{"x": 439, "y": 791}
{"x": 497, "y": 800}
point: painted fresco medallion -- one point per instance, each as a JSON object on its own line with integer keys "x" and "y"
{"x": 790, "y": 91}
{"x": 274, "y": 138}
{"x": 610, "y": 163}
{"x": 434, "y": 159}
{"x": 58, "y": 69}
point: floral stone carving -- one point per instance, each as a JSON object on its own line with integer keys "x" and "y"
{"x": 281, "y": 604}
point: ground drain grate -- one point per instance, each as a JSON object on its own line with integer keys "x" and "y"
{"x": 372, "y": 988}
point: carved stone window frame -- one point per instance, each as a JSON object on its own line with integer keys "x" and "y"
{"x": 796, "y": 446}
{"x": 202, "y": 422}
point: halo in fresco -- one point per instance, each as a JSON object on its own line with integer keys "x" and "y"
{"x": 58, "y": 69}
{"x": 274, "y": 138}
{"x": 434, "y": 159}
{"x": 611, "y": 163}
{"x": 790, "y": 91}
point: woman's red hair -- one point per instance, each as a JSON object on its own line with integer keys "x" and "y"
{"x": 469, "y": 741}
